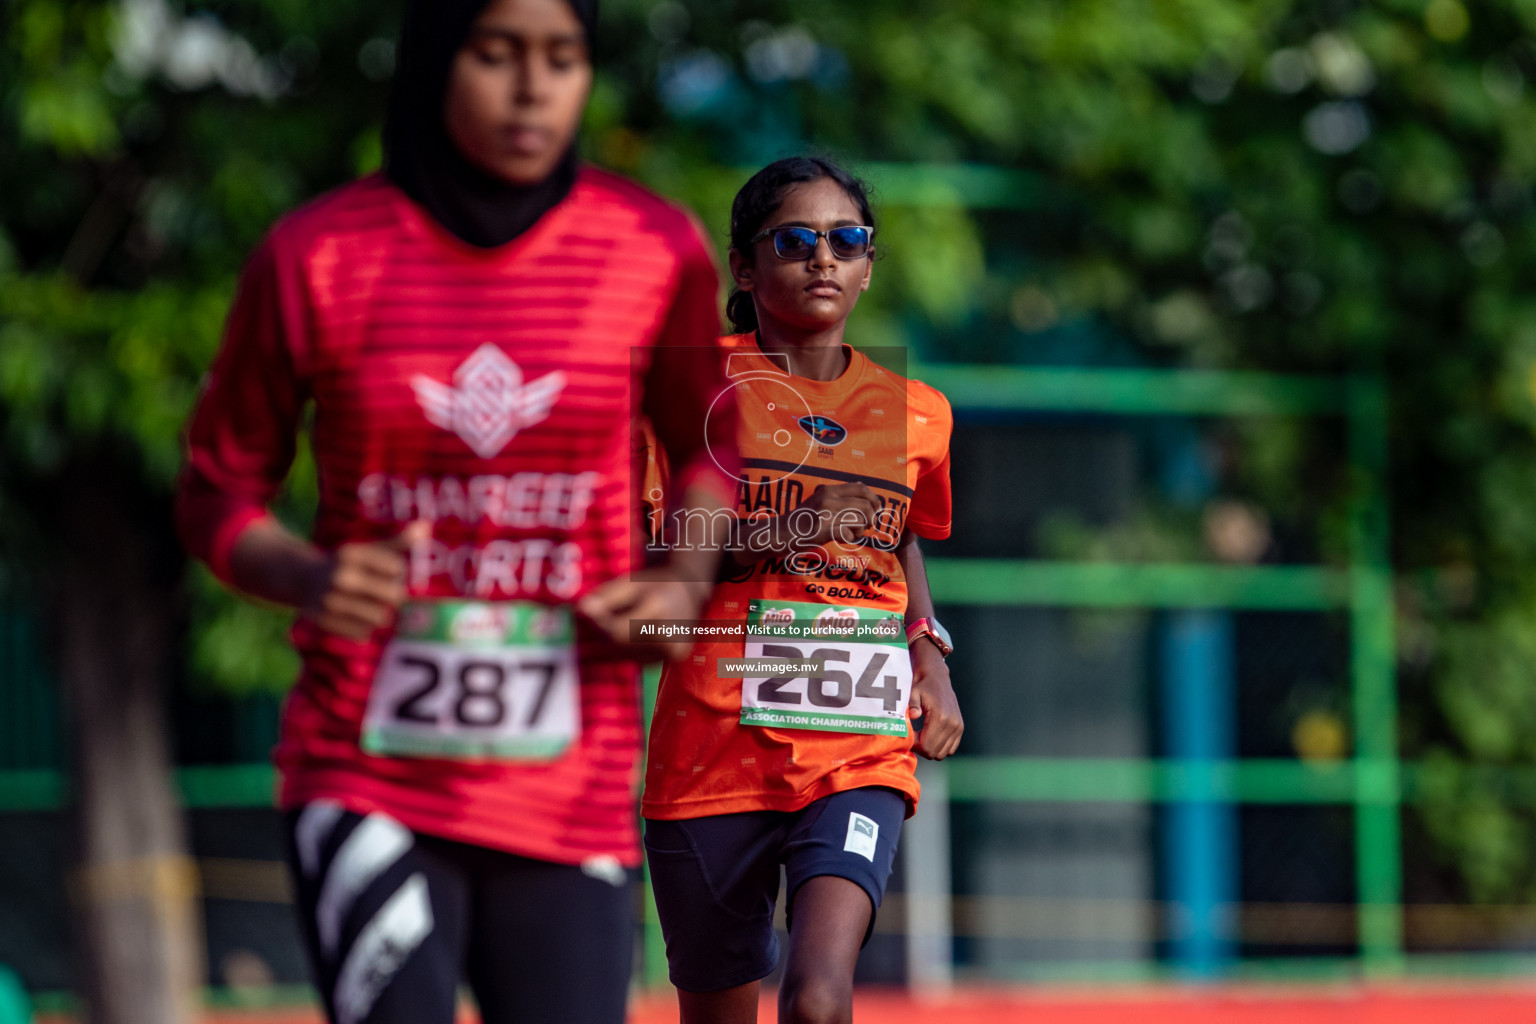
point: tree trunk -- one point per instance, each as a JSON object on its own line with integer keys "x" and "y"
{"x": 134, "y": 888}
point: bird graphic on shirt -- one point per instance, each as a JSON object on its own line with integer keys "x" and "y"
{"x": 487, "y": 403}
{"x": 824, "y": 429}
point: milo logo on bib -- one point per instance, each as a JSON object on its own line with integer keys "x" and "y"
{"x": 804, "y": 620}
{"x": 479, "y": 623}
{"x": 485, "y": 623}
{"x": 777, "y": 616}
{"x": 837, "y": 621}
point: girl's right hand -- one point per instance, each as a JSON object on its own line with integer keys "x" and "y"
{"x": 840, "y": 512}
{"x": 844, "y": 512}
{"x": 361, "y": 585}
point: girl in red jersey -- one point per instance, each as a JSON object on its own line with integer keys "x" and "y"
{"x": 804, "y": 760}
{"x": 469, "y": 328}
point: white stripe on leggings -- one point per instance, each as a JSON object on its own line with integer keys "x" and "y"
{"x": 376, "y": 843}
{"x": 385, "y": 943}
{"x": 314, "y": 827}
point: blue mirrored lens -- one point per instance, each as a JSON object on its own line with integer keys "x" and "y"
{"x": 853, "y": 241}
{"x": 794, "y": 243}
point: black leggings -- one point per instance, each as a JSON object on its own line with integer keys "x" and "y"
{"x": 393, "y": 920}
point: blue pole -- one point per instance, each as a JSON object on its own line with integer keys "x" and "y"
{"x": 1200, "y": 840}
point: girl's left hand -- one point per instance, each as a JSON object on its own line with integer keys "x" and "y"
{"x": 934, "y": 698}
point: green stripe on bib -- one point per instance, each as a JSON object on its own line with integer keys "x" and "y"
{"x": 484, "y": 624}
{"x": 804, "y": 620}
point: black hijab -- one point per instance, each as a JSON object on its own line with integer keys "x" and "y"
{"x": 477, "y": 206}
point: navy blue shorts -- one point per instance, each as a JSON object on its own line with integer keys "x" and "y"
{"x": 717, "y": 878}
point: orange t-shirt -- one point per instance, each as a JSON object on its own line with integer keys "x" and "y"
{"x": 871, "y": 426}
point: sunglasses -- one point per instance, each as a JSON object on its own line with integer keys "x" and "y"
{"x": 847, "y": 243}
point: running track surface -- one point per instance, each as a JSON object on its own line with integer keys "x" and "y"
{"x": 1490, "y": 1003}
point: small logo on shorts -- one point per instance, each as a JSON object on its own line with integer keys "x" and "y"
{"x": 605, "y": 868}
{"x": 862, "y": 833}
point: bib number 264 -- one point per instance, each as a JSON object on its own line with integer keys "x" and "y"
{"x": 861, "y": 686}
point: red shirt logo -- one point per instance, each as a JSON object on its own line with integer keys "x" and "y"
{"x": 487, "y": 403}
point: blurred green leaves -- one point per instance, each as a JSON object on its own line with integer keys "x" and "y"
{"x": 136, "y": 177}
{"x": 68, "y": 113}
{"x": 86, "y": 364}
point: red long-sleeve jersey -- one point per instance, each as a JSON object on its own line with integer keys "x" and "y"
{"x": 491, "y": 393}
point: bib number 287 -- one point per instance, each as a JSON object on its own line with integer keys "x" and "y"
{"x": 478, "y": 693}
{"x": 475, "y": 681}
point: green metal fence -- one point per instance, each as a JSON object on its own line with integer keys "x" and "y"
{"x": 1372, "y": 782}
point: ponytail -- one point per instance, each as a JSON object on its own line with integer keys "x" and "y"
{"x": 741, "y": 311}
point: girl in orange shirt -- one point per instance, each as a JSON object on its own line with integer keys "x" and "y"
{"x": 806, "y": 758}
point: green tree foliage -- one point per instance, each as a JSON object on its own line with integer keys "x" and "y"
{"x": 1289, "y": 185}
{"x": 147, "y": 149}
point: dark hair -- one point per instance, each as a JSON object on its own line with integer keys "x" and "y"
{"x": 762, "y": 194}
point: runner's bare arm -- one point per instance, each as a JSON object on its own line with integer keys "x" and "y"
{"x": 932, "y": 692}
{"x": 351, "y": 591}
